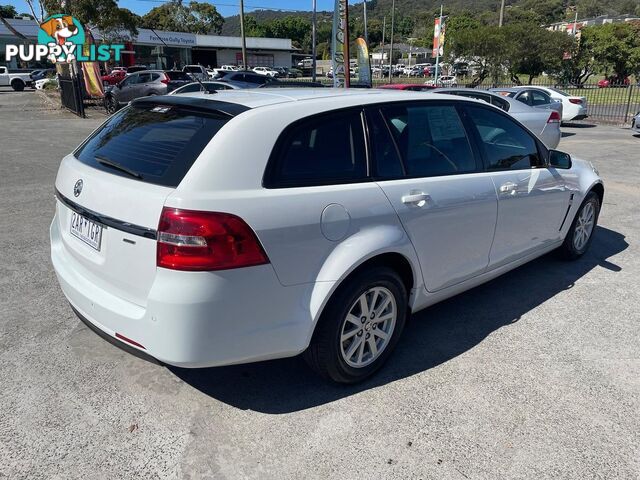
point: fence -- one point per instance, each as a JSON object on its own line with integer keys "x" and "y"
{"x": 614, "y": 104}
{"x": 71, "y": 94}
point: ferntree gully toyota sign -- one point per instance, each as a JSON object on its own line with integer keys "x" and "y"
{"x": 61, "y": 39}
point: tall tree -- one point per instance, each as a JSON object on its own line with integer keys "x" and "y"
{"x": 615, "y": 47}
{"x": 195, "y": 17}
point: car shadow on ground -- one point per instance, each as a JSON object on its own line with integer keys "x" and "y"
{"x": 432, "y": 337}
{"x": 567, "y": 134}
{"x": 578, "y": 125}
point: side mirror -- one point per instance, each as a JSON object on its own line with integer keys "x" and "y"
{"x": 559, "y": 159}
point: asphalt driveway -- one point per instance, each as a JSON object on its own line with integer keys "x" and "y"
{"x": 533, "y": 375}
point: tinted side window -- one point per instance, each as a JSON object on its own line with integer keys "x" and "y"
{"x": 431, "y": 139}
{"x": 498, "y": 102}
{"x": 321, "y": 150}
{"x": 506, "y": 145}
{"x": 525, "y": 98}
{"x": 386, "y": 162}
{"x": 144, "y": 78}
{"x": 539, "y": 98}
{"x": 130, "y": 80}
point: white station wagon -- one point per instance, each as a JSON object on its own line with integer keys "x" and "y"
{"x": 214, "y": 229}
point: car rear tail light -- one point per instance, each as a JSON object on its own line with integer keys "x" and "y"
{"x": 166, "y": 79}
{"x": 577, "y": 101}
{"x": 204, "y": 241}
{"x": 554, "y": 117}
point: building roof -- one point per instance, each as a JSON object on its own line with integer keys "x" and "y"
{"x": 29, "y": 28}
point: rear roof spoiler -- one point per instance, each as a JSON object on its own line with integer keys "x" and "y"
{"x": 193, "y": 103}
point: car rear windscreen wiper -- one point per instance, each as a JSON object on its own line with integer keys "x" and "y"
{"x": 110, "y": 163}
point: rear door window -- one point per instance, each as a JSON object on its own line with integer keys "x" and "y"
{"x": 177, "y": 75}
{"x": 154, "y": 144}
{"x": 322, "y": 150}
{"x": 539, "y": 98}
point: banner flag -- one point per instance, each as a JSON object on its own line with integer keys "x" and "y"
{"x": 439, "y": 27}
{"x": 340, "y": 44}
{"x": 364, "y": 63}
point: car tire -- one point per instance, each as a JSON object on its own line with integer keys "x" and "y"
{"x": 17, "y": 85}
{"x": 331, "y": 352}
{"x": 580, "y": 235}
{"x": 110, "y": 104}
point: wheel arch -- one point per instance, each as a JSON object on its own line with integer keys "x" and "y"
{"x": 405, "y": 265}
{"x": 598, "y": 188}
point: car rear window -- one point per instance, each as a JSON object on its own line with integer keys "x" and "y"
{"x": 178, "y": 76}
{"x": 153, "y": 144}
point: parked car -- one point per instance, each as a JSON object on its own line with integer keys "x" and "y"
{"x": 544, "y": 123}
{"x": 136, "y": 68}
{"x": 115, "y": 76}
{"x": 43, "y": 73}
{"x": 244, "y": 78}
{"x": 635, "y": 124}
{"x": 573, "y": 107}
{"x": 266, "y": 71}
{"x": 414, "y": 87}
{"x": 40, "y": 84}
{"x": 614, "y": 81}
{"x": 196, "y": 72}
{"x": 210, "y": 86}
{"x": 443, "y": 81}
{"x": 143, "y": 84}
{"x": 223, "y": 68}
{"x": 17, "y": 81}
{"x": 532, "y": 96}
{"x": 204, "y": 232}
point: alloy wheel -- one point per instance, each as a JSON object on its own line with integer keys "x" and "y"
{"x": 584, "y": 226}
{"x": 368, "y": 327}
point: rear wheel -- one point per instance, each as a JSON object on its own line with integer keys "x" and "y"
{"x": 17, "y": 85}
{"x": 580, "y": 234}
{"x": 360, "y": 326}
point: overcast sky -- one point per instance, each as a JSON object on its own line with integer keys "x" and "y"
{"x": 225, "y": 7}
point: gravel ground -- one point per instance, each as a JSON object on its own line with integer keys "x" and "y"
{"x": 533, "y": 375}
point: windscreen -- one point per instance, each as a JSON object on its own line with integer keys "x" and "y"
{"x": 152, "y": 144}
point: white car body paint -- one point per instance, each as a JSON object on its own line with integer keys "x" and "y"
{"x": 198, "y": 319}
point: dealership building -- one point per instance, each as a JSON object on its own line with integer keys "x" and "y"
{"x": 167, "y": 50}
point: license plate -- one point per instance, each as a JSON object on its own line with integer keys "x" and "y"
{"x": 86, "y": 230}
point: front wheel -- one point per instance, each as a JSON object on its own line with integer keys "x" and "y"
{"x": 110, "y": 104}
{"x": 359, "y": 327}
{"x": 580, "y": 234}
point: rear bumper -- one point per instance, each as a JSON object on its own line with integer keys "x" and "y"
{"x": 195, "y": 319}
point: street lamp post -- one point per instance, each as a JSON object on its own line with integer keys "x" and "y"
{"x": 313, "y": 42}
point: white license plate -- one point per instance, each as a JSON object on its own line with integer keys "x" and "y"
{"x": 86, "y": 230}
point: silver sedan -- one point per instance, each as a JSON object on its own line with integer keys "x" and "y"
{"x": 544, "y": 123}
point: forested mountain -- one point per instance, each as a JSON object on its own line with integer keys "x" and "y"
{"x": 410, "y": 13}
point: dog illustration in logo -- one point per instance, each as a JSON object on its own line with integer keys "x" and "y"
{"x": 60, "y": 31}
{"x": 60, "y": 28}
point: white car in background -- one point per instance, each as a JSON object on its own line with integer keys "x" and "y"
{"x": 208, "y": 230}
{"x": 635, "y": 124}
{"x": 573, "y": 107}
{"x": 444, "y": 81}
{"x": 223, "y": 68}
{"x": 269, "y": 72}
{"x": 40, "y": 84}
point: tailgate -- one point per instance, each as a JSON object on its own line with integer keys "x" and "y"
{"x": 123, "y": 260}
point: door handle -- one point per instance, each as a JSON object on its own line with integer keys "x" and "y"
{"x": 508, "y": 188}
{"x": 416, "y": 198}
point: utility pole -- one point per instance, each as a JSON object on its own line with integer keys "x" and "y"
{"x": 393, "y": 17}
{"x": 575, "y": 23}
{"x": 314, "y": 20}
{"x": 501, "y": 13}
{"x": 384, "y": 31}
{"x": 244, "y": 38}
{"x": 366, "y": 34}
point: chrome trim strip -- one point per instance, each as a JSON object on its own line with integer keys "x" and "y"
{"x": 108, "y": 221}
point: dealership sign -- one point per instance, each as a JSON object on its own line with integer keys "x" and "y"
{"x": 61, "y": 39}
